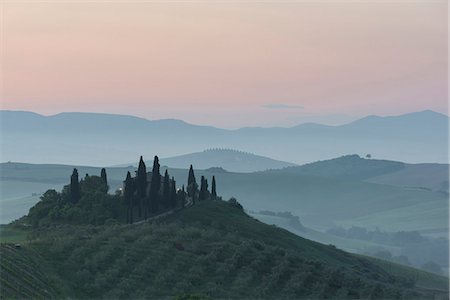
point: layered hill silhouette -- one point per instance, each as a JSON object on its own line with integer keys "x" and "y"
{"x": 411, "y": 196}
{"x": 102, "y": 139}
{"x": 348, "y": 191}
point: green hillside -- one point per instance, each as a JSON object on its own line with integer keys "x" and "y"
{"x": 348, "y": 167}
{"x": 423, "y": 176}
{"x": 24, "y": 274}
{"x": 211, "y": 249}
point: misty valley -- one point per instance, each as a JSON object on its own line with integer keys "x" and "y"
{"x": 267, "y": 229}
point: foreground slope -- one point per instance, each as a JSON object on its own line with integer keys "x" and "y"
{"x": 23, "y": 274}
{"x": 212, "y": 249}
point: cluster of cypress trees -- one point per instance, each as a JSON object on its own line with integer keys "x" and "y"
{"x": 147, "y": 197}
{"x": 161, "y": 191}
{"x": 75, "y": 185}
{"x": 203, "y": 194}
{"x": 138, "y": 192}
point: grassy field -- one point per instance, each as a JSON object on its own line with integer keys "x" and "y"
{"x": 10, "y": 234}
{"x": 429, "y": 176}
{"x": 426, "y": 217}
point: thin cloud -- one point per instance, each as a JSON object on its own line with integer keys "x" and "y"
{"x": 282, "y": 106}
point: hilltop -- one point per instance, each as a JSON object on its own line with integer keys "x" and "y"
{"x": 346, "y": 167}
{"x": 211, "y": 249}
{"x": 228, "y": 159}
{"x": 426, "y": 176}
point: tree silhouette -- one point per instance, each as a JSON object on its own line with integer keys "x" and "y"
{"x": 166, "y": 190}
{"x": 203, "y": 189}
{"x": 129, "y": 189}
{"x": 192, "y": 188}
{"x": 213, "y": 189}
{"x": 155, "y": 185}
{"x": 182, "y": 197}
{"x": 141, "y": 185}
{"x": 104, "y": 179}
{"x": 173, "y": 193}
{"x": 74, "y": 187}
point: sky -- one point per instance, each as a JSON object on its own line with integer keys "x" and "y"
{"x": 226, "y": 63}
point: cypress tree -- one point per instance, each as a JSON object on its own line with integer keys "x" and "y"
{"x": 141, "y": 185}
{"x": 155, "y": 186}
{"x": 201, "y": 195}
{"x": 166, "y": 190}
{"x": 203, "y": 189}
{"x": 129, "y": 189}
{"x": 183, "y": 197}
{"x": 74, "y": 187}
{"x": 192, "y": 188}
{"x": 213, "y": 189}
{"x": 104, "y": 179}
{"x": 173, "y": 193}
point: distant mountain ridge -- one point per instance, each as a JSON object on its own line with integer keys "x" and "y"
{"x": 10, "y": 115}
{"x": 106, "y": 139}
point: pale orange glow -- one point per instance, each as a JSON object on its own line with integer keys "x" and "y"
{"x": 221, "y": 63}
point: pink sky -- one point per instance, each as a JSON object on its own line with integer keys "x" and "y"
{"x": 226, "y": 64}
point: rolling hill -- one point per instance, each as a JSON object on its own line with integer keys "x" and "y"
{"x": 322, "y": 199}
{"x": 419, "y": 176}
{"x": 102, "y": 139}
{"x": 212, "y": 249}
{"x": 346, "y": 167}
{"x": 228, "y": 159}
{"x": 414, "y": 176}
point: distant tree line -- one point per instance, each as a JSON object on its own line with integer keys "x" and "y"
{"x": 227, "y": 150}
